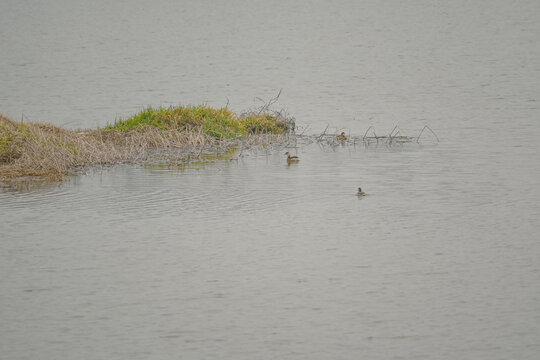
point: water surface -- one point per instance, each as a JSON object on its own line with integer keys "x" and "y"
{"x": 252, "y": 258}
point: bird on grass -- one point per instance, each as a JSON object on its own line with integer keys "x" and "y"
{"x": 342, "y": 137}
{"x": 360, "y": 192}
{"x": 290, "y": 158}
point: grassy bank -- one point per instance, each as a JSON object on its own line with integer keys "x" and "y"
{"x": 43, "y": 150}
{"x": 218, "y": 123}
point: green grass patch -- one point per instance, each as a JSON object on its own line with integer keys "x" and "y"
{"x": 5, "y": 140}
{"x": 218, "y": 123}
{"x": 264, "y": 123}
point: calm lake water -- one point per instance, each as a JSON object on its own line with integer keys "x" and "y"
{"x": 254, "y": 259}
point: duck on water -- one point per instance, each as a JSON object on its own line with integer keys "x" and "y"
{"x": 291, "y": 158}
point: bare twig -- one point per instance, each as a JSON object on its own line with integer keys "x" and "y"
{"x": 426, "y": 127}
{"x": 365, "y": 134}
{"x": 271, "y": 102}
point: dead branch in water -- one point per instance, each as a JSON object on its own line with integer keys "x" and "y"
{"x": 394, "y": 137}
{"x": 426, "y": 127}
{"x": 365, "y": 134}
{"x": 267, "y": 105}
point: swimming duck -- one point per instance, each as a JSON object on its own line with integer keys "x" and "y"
{"x": 291, "y": 158}
{"x": 342, "y": 137}
{"x": 360, "y": 192}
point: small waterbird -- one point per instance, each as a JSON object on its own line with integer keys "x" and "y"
{"x": 342, "y": 137}
{"x": 360, "y": 192}
{"x": 291, "y": 158}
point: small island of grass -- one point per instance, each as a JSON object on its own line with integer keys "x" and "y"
{"x": 29, "y": 149}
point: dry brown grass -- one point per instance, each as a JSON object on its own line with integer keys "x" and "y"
{"x": 40, "y": 150}
{"x": 43, "y": 150}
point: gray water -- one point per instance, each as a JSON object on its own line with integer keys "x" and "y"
{"x": 255, "y": 259}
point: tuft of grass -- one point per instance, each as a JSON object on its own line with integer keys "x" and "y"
{"x": 264, "y": 123}
{"x": 217, "y": 123}
{"x": 43, "y": 150}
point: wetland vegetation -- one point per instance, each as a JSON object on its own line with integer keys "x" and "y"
{"x": 172, "y": 136}
{"x": 31, "y": 149}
